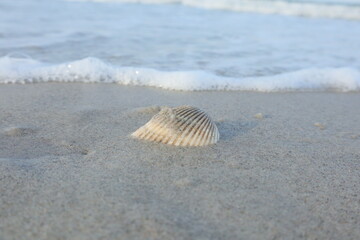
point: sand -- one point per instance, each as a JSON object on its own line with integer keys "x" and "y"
{"x": 287, "y": 166}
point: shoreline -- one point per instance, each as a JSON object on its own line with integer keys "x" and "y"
{"x": 69, "y": 169}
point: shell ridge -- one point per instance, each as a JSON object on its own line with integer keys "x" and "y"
{"x": 166, "y": 128}
{"x": 188, "y": 129}
{"x": 198, "y": 130}
{"x": 191, "y": 130}
{"x": 208, "y": 133}
{"x": 181, "y": 109}
{"x": 159, "y": 130}
{"x": 179, "y": 126}
{"x": 151, "y": 125}
{"x": 189, "y": 114}
{"x": 174, "y": 121}
{"x": 207, "y": 139}
{"x": 204, "y": 132}
{"x": 213, "y": 134}
{"x": 205, "y": 128}
{"x": 186, "y": 140}
{"x": 139, "y": 132}
{"x": 186, "y": 116}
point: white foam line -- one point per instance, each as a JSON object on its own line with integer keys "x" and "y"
{"x": 93, "y": 70}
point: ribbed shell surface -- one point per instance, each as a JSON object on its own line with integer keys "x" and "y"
{"x": 180, "y": 126}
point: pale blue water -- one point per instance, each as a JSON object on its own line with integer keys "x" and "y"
{"x": 232, "y": 44}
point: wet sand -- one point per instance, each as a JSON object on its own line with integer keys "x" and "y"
{"x": 287, "y": 166}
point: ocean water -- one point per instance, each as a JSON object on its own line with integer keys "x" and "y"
{"x": 251, "y": 45}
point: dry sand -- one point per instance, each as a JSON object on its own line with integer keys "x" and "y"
{"x": 287, "y": 166}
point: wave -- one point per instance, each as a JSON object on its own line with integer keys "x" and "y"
{"x": 349, "y": 9}
{"x": 93, "y": 70}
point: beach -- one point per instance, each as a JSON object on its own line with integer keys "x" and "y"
{"x": 280, "y": 79}
{"x": 287, "y": 165}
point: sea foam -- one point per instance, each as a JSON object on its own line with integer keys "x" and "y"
{"x": 93, "y": 70}
{"x": 346, "y": 9}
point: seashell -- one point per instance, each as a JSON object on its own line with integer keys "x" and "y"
{"x": 179, "y": 126}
